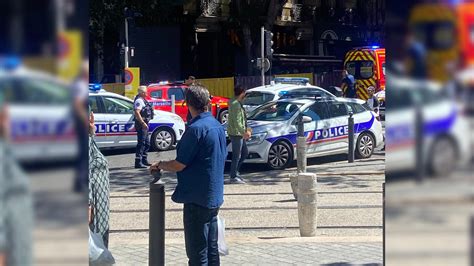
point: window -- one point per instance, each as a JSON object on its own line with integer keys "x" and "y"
{"x": 177, "y": 92}
{"x": 94, "y": 104}
{"x": 28, "y": 91}
{"x": 158, "y": 94}
{"x": 355, "y": 108}
{"x": 360, "y": 69}
{"x": 257, "y": 98}
{"x": 317, "y": 111}
{"x": 276, "y": 111}
{"x": 117, "y": 106}
{"x": 337, "y": 109}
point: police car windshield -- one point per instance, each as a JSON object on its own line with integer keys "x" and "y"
{"x": 275, "y": 111}
{"x": 257, "y": 98}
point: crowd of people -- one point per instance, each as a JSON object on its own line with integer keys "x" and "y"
{"x": 199, "y": 165}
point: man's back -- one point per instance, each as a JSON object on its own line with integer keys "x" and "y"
{"x": 203, "y": 150}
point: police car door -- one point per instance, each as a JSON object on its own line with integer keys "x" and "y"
{"x": 336, "y": 136}
{"x": 314, "y": 137}
{"x": 120, "y": 124}
{"x": 100, "y": 122}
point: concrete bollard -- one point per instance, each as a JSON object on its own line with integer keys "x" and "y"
{"x": 301, "y": 154}
{"x": 294, "y": 184}
{"x": 307, "y": 204}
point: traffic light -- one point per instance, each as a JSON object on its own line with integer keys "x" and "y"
{"x": 268, "y": 44}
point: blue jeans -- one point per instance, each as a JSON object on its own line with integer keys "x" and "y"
{"x": 239, "y": 154}
{"x": 200, "y": 234}
{"x": 143, "y": 144}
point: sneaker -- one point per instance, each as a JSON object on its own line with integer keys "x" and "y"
{"x": 236, "y": 180}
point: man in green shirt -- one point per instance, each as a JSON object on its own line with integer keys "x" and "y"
{"x": 238, "y": 133}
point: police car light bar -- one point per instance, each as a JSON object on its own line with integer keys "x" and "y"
{"x": 296, "y": 81}
{"x": 95, "y": 87}
{"x": 9, "y": 62}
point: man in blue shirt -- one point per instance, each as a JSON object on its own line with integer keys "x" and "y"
{"x": 199, "y": 164}
{"x": 349, "y": 82}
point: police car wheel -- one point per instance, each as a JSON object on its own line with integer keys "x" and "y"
{"x": 224, "y": 116}
{"x": 280, "y": 156}
{"x": 443, "y": 157}
{"x": 365, "y": 146}
{"x": 162, "y": 139}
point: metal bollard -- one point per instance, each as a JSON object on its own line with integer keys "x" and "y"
{"x": 173, "y": 104}
{"x": 383, "y": 220}
{"x": 472, "y": 241}
{"x": 351, "y": 138}
{"x": 307, "y": 204}
{"x": 301, "y": 147}
{"x": 156, "y": 237}
{"x": 420, "y": 167}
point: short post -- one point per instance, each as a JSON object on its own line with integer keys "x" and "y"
{"x": 351, "y": 138}
{"x": 301, "y": 147}
{"x": 307, "y": 204}
{"x": 420, "y": 168}
{"x": 156, "y": 238}
{"x": 173, "y": 104}
{"x": 472, "y": 241}
{"x": 383, "y": 220}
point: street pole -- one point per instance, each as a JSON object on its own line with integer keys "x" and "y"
{"x": 126, "y": 41}
{"x": 156, "y": 237}
{"x": 262, "y": 44}
{"x": 301, "y": 146}
{"x": 351, "y": 138}
{"x": 173, "y": 104}
{"x": 420, "y": 168}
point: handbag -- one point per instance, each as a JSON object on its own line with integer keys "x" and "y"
{"x": 223, "y": 250}
{"x": 98, "y": 253}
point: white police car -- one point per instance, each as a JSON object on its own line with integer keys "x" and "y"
{"x": 115, "y": 127}
{"x": 445, "y": 131}
{"x": 39, "y": 108}
{"x": 279, "y": 87}
{"x": 274, "y": 130}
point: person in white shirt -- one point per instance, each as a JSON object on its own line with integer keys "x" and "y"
{"x": 372, "y": 102}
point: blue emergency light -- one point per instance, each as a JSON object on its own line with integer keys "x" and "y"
{"x": 9, "y": 62}
{"x": 95, "y": 87}
{"x": 375, "y": 47}
{"x": 282, "y": 93}
{"x": 296, "y": 81}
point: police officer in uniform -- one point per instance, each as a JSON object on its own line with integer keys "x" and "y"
{"x": 143, "y": 111}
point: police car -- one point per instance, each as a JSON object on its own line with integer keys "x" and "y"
{"x": 445, "y": 131}
{"x": 115, "y": 126}
{"x": 39, "y": 108}
{"x": 274, "y": 129}
{"x": 279, "y": 87}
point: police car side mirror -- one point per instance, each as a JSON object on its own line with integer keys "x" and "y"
{"x": 307, "y": 119}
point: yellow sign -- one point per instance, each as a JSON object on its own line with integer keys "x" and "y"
{"x": 69, "y": 54}
{"x": 132, "y": 81}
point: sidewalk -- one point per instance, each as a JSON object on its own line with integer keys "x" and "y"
{"x": 284, "y": 253}
{"x": 262, "y": 217}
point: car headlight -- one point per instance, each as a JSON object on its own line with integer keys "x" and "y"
{"x": 256, "y": 139}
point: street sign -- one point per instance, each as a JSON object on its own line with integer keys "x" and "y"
{"x": 266, "y": 64}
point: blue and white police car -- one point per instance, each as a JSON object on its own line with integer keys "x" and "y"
{"x": 444, "y": 129}
{"x": 115, "y": 127}
{"x": 39, "y": 108}
{"x": 279, "y": 87}
{"x": 274, "y": 129}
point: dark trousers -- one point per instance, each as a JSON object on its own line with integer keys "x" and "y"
{"x": 81, "y": 180}
{"x": 239, "y": 154}
{"x": 200, "y": 234}
{"x": 143, "y": 144}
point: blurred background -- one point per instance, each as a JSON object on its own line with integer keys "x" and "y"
{"x": 43, "y": 77}
{"x": 429, "y": 122}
